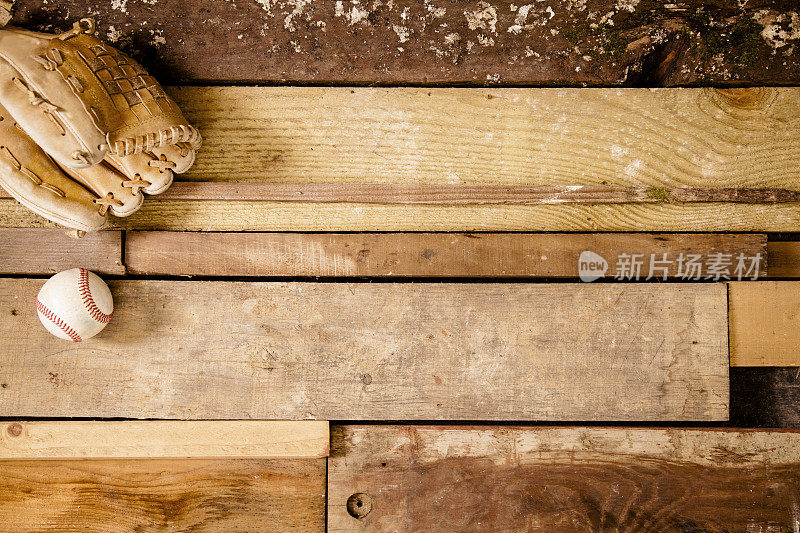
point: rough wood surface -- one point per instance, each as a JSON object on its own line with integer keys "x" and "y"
{"x": 452, "y": 479}
{"x": 47, "y": 251}
{"x": 595, "y": 42}
{"x": 765, "y": 397}
{"x": 162, "y": 439}
{"x": 763, "y": 323}
{"x": 784, "y": 259}
{"x": 353, "y": 351}
{"x": 120, "y": 496}
{"x": 417, "y": 254}
{"x": 406, "y": 137}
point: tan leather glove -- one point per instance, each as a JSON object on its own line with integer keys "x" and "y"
{"x": 84, "y": 130}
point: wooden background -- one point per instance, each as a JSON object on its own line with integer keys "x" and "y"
{"x": 371, "y": 235}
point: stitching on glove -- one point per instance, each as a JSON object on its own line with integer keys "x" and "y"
{"x": 106, "y": 202}
{"x": 137, "y": 184}
{"x": 28, "y": 173}
{"x": 36, "y": 100}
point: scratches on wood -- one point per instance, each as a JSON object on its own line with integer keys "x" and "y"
{"x": 47, "y": 251}
{"x": 352, "y": 351}
{"x": 415, "y": 254}
{"x": 559, "y": 479}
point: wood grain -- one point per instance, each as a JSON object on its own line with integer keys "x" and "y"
{"x": 763, "y": 323}
{"x": 136, "y": 439}
{"x": 784, "y": 259}
{"x": 600, "y": 42}
{"x": 414, "y": 254}
{"x": 403, "y": 138}
{"x": 353, "y": 351}
{"x": 203, "y": 495}
{"x": 448, "y": 479}
{"x": 47, "y": 251}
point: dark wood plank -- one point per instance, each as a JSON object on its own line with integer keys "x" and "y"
{"x": 765, "y": 397}
{"x": 509, "y": 479}
{"x": 46, "y": 251}
{"x": 417, "y": 254}
{"x": 202, "y": 495}
{"x": 784, "y": 259}
{"x": 595, "y": 42}
{"x": 374, "y": 351}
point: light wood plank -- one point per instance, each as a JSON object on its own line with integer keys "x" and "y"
{"x": 413, "y": 254}
{"x": 163, "y": 438}
{"x": 46, "y": 251}
{"x": 445, "y": 479}
{"x": 203, "y": 350}
{"x": 763, "y": 323}
{"x": 784, "y": 259}
{"x": 202, "y": 495}
{"x": 404, "y": 137}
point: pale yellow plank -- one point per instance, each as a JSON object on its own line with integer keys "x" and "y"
{"x": 407, "y": 136}
{"x": 763, "y": 319}
{"x": 134, "y": 439}
{"x": 397, "y": 351}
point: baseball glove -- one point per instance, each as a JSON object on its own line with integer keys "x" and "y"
{"x": 84, "y": 130}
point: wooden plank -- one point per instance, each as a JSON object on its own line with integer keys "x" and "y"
{"x": 379, "y": 193}
{"x": 765, "y": 397}
{"x": 443, "y": 479}
{"x": 46, "y": 251}
{"x": 417, "y": 254}
{"x": 203, "y": 495}
{"x": 352, "y": 351}
{"x": 763, "y": 323}
{"x": 660, "y": 140}
{"x": 547, "y": 42}
{"x": 163, "y": 438}
{"x": 784, "y": 259}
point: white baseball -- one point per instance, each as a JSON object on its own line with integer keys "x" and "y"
{"x": 75, "y": 304}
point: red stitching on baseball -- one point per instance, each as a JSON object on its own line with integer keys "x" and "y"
{"x": 60, "y": 324}
{"x": 88, "y": 301}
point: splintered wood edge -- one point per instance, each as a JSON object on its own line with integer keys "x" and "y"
{"x": 137, "y": 439}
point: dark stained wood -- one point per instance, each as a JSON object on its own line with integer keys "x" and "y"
{"x": 784, "y": 259}
{"x": 581, "y": 42}
{"x": 765, "y": 397}
{"x": 419, "y": 254}
{"x": 454, "y": 479}
{"x": 47, "y": 251}
{"x": 111, "y": 496}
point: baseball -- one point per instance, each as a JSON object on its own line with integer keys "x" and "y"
{"x": 74, "y": 304}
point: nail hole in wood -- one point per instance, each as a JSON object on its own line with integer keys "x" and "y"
{"x": 359, "y": 505}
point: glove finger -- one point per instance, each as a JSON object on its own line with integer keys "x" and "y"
{"x": 115, "y": 192}
{"x": 35, "y": 181}
{"x": 151, "y": 179}
{"x": 48, "y": 104}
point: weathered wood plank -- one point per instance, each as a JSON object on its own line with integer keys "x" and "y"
{"x": 119, "y": 496}
{"x": 765, "y": 397}
{"x": 136, "y": 439}
{"x": 404, "y": 138}
{"x": 416, "y": 254}
{"x": 763, "y": 323}
{"x": 46, "y": 251}
{"x": 784, "y": 259}
{"x": 599, "y": 42}
{"x": 445, "y": 479}
{"x": 352, "y": 351}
